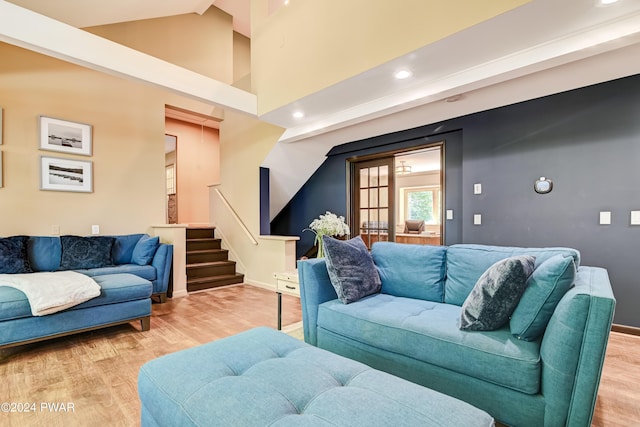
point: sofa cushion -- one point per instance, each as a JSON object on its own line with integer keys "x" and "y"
{"x": 546, "y": 286}
{"x": 13, "y": 304}
{"x": 44, "y": 253}
{"x": 13, "y": 255}
{"x": 351, "y": 269}
{"x": 466, "y": 263}
{"x": 114, "y": 288}
{"x": 412, "y": 271}
{"x": 85, "y": 252}
{"x": 123, "y": 247}
{"x": 407, "y": 327}
{"x": 146, "y": 272}
{"x": 496, "y": 294}
{"x": 144, "y": 250}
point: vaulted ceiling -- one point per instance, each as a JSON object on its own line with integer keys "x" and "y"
{"x": 540, "y": 48}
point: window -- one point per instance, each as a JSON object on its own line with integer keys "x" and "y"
{"x": 421, "y": 203}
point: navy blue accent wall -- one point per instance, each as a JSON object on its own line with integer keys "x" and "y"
{"x": 586, "y": 140}
{"x": 265, "y": 224}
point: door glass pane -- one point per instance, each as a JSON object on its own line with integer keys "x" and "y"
{"x": 373, "y": 197}
{"x": 384, "y": 197}
{"x": 373, "y": 177}
{"x": 364, "y": 198}
{"x": 384, "y": 175}
{"x": 364, "y": 218}
{"x": 364, "y": 178}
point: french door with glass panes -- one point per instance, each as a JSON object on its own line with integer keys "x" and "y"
{"x": 372, "y": 201}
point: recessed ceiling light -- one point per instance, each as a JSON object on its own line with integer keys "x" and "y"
{"x": 403, "y": 74}
{"x": 607, "y": 2}
{"x": 298, "y": 114}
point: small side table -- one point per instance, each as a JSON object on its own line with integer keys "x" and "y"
{"x": 286, "y": 283}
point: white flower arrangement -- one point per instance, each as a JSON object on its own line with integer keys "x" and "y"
{"x": 328, "y": 224}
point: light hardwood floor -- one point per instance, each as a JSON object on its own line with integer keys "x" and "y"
{"x": 95, "y": 374}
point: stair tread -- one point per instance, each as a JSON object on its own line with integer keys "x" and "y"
{"x": 215, "y": 278}
{"x": 206, "y": 251}
{"x": 210, "y": 264}
{"x": 203, "y": 239}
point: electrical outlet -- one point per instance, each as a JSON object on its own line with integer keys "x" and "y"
{"x": 95, "y": 229}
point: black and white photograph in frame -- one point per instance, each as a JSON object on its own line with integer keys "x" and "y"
{"x": 65, "y": 136}
{"x": 58, "y": 174}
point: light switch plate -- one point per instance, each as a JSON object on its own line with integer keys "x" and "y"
{"x": 477, "y": 188}
{"x": 449, "y": 214}
{"x": 605, "y": 218}
{"x": 635, "y": 217}
{"x": 477, "y": 219}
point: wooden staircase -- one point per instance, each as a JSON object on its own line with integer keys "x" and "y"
{"x": 208, "y": 265}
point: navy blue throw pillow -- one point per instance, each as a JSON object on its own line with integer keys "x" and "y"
{"x": 13, "y": 255}
{"x": 496, "y": 294}
{"x": 351, "y": 269}
{"x": 86, "y": 252}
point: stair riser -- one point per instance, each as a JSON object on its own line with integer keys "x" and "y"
{"x": 199, "y": 245}
{"x": 207, "y": 257}
{"x": 214, "y": 284}
{"x": 200, "y": 233}
{"x": 194, "y": 273}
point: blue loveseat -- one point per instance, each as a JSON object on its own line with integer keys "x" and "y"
{"x": 135, "y": 268}
{"x": 542, "y": 368}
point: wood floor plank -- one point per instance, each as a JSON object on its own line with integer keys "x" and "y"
{"x": 95, "y": 373}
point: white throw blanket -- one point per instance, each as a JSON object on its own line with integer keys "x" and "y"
{"x": 52, "y": 292}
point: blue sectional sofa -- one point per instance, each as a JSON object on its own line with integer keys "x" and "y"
{"x": 133, "y": 269}
{"x": 542, "y": 368}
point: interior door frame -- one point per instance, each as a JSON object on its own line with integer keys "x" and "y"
{"x": 351, "y": 181}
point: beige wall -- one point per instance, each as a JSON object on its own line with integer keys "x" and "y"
{"x": 128, "y": 148}
{"x": 197, "y": 167}
{"x": 201, "y": 43}
{"x": 241, "y": 57}
{"x": 309, "y": 44}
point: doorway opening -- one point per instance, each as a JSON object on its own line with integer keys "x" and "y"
{"x": 398, "y": 196}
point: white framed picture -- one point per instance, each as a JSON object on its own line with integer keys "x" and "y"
{"x": 65, "y": 136}
{"x": 59, "y": 174}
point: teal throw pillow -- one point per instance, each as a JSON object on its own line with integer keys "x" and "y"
{"x": 496, "y": 294}
{"x": 351, "y": 269}
{"x": 80, "y": 253}
{"x": 145, "y": 249}
{"x": 548, "y": 283}
{"x": 13, "y": 255}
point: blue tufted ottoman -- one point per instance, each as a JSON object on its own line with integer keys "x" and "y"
{"x": 263, "y": 377}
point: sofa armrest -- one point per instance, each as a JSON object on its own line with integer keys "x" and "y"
{"x": 162, "y": 262}
{"x": 315, "y": 288}
{"x": 573, "y": 349}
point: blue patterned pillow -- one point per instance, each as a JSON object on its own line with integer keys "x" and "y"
{"x": 85, "y": 252}
{"x": 144, "y": 250}
{"x": 13, "y": 255}
{"x": 351, "y": 269}
{"x": 496, "y": 294}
